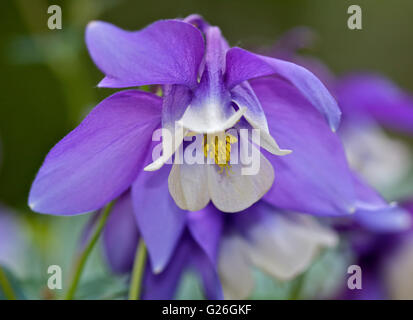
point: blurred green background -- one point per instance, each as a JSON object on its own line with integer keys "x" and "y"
{"x": 48, "y": 81}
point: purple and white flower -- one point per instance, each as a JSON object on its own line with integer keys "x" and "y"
{"x": 206, "y": 90}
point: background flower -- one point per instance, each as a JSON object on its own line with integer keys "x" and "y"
{"x": 369, "y": 103}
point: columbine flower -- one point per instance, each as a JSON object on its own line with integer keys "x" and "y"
{"x": 382, "y": 161}
{"x": 371, "y": 102}
{"x": 206, "y": 92}
{"x": 104, "y": 157}
{"x": 220, "y": 249}
{"x": 162, "y": 223}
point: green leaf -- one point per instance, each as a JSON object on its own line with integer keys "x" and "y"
{"x": 10, "y": 280}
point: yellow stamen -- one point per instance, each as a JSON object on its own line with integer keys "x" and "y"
{"x": 219, "y": 149}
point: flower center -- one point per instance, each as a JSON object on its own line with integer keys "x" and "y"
{"x": 218, "y": 148}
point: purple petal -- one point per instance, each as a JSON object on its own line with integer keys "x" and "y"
{"x": 160, "y": 220}
{"x": 315, "y": 177}
{"x": 256, "y": 214}
{"x": 176, "y": 99}
{"x": 98, "y": 160}
{"x": 367, "y": 197}
{"x": 372, "y": 287}
{"x": 408, "y": 205}
{"x": 163, "y": 286}
{"x": 211, "y": 110}
{"x": 244, "y": 96}
{"x": 374, "y": 96}
{"x": 209, "y": 275}
{"x": 188, "y": 255}
{"x": 120, "y": 236}
{"x": 243, "y": 65}
{"x": 165, "y": 52}
{"x": 389, "y": 219}
{"x": 375, "y": 214}
{"x": 206, "y": 228}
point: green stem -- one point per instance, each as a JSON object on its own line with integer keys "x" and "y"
{"x": 297, "y": 288}
{"x": 86, "y": 252}
{"x": 137, "y": 273}
{"x": 6, "y": 286}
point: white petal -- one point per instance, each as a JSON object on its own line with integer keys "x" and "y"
{"x": 169, "y": 147}
{"x": 234, "y": 269}
{"x": 285, "y": 247}
{"x": 266, "y": 140}
{"x": 234, "y": 191}
{"x": 269, "y": 144}
{"x": 188, "y": 186}
{"x": 209, "y": 120}
{"x": 381, "y": 160}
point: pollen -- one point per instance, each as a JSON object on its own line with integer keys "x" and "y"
{"x": 218, "y": 148}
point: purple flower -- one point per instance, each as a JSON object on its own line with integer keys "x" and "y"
{"x": 370, "y": 102}
{"x": 221, "y": 249}
{"x": 205, "y": 91}
{"x": 368, "y": 95}
{"x": 105, "y": 156}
